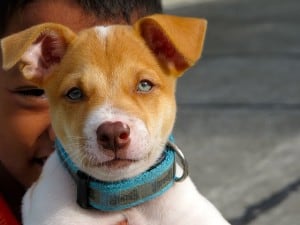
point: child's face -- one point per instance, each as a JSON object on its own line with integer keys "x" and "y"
{"x": 26, "y": 137}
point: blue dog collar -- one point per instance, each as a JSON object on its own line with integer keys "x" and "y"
{"x": 124, "y": 194}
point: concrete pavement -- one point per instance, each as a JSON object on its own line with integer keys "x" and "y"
{"x": 239, "y": 109}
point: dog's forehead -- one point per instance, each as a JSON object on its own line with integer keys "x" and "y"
{"x": 109, "y": 47}
{"x": 111, "y": 40}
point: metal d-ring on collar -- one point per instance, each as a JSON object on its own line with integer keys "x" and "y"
{"x": 181, "y": 159}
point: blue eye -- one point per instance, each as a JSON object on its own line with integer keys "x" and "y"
{"x": 75, "y": 94}
{"x": 145, "y": 86}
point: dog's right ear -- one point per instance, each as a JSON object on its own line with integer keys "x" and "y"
{"x": 177, "y": 42}
{"x": 37, "y": 49}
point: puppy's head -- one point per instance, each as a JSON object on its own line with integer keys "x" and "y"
{"x": 111, "y": 89}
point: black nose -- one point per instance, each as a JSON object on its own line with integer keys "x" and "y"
{"x": 113, "y": 135}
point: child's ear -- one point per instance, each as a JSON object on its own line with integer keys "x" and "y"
{"x": 177, "y": 42}
{"x": 37, "y": 49}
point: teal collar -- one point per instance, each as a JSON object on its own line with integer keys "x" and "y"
{"x": 124, "y": 194}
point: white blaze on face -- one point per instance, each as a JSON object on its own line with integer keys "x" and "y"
{"x": 102, "y": 31}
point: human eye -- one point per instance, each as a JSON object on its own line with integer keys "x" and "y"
{"x": 30, "y": 97}
{"x": 30, "y": 92}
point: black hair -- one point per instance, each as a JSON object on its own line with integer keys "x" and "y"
{"x": 104, "y": 9}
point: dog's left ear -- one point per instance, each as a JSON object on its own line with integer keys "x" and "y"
{"x": 177, "y": 42}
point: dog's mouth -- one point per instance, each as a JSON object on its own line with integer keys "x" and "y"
{"x": 117, "y": 163}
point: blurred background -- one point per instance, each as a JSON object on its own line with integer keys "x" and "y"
{"x": 238, "y": 119}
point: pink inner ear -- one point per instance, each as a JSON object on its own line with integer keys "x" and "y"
{"x": 162, "y": 47}
{"x": 42, "y": 55}
{"x": 53, "y": 48}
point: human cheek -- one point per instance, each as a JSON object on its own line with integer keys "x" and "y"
{"x": 26, "y": 146}
{"x": 30, "y": 126}
{"x": 17, "y": 149}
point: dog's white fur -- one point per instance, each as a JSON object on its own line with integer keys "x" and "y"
{"x": 52, "y": 200}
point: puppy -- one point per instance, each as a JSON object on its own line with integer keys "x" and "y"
{"x": 112, "y": 103}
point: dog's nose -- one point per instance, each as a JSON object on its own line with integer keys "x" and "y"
{"x": 113, "y": 135}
